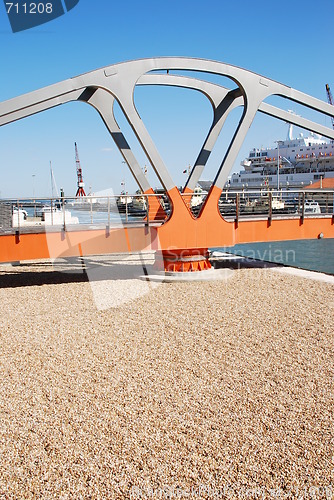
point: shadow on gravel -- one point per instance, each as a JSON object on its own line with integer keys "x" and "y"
{"x": 242, "y": 263}
{"x": 74, "y": 270}
{"x": 80, "y": 270}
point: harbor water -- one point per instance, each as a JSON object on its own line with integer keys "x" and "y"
{"x": 313, "y": 255}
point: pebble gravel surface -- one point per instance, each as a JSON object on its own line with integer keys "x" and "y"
{"x": 219, "y": 389}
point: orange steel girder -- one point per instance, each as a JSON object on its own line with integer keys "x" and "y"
{"x": 181, "y": 233}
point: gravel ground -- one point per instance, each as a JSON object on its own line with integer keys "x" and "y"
{"x": 188, "y": 390}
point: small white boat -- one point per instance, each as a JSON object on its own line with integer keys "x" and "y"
{"x": 45, "y": 217}
{"x": 198, "y": 197}
{"x": 19, "y": 216}
{"x": 311, "y": 207}
{"x": 20, "y": 211}
{"x": 53, "y": 216}
{"x": 277, "y": 204}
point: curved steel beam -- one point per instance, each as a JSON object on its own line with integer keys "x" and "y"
{"x": 255, "y": 89}
{"x": 121, "y": 79}
{"x": 104, "y": 102}
{"x": 222, "y": 101}
{"x": 60, "y": 94}
{"x": 220, "y": 98}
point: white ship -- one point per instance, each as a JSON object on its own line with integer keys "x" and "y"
{"x": 294, "y": 163}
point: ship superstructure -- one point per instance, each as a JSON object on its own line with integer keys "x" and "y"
{"x": 295, "y": 163}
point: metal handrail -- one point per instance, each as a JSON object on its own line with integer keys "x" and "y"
{"x": 97, "y": 210}
{"x": 235, "y": 204}
{"x": 270, "y": 203}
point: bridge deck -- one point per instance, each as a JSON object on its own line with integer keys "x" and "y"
{"x": 26, "y": 232}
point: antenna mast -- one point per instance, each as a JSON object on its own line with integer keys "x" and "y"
{"x": 80, "y": 182}
{"x": 53, "y": 183}
{"x": 330, "y": 100}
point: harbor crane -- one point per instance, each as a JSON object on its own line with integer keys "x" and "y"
{"x": 330, "y": 100}
{"x": 80, "y": 182}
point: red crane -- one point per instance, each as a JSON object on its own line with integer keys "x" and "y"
{"x": 330, "y": 100}
{"x": 81, "y": 184}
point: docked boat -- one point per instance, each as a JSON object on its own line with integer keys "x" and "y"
{"x": 311, "y": 207}
{"x": 53, "y": 216}
{"x": 19, "y": 214}
{"x": 295, "y": 163}
{"x": 44, "y": 216}
{"x": 197, "y": 199}
{"x": 124, "y": 203}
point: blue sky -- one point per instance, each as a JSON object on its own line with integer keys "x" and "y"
{"x": 287, "y": 41}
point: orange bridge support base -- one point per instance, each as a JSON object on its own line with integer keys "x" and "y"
{"x": 185, "y": 260}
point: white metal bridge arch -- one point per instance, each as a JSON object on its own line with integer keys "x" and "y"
{"x": 102, "y": 87}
